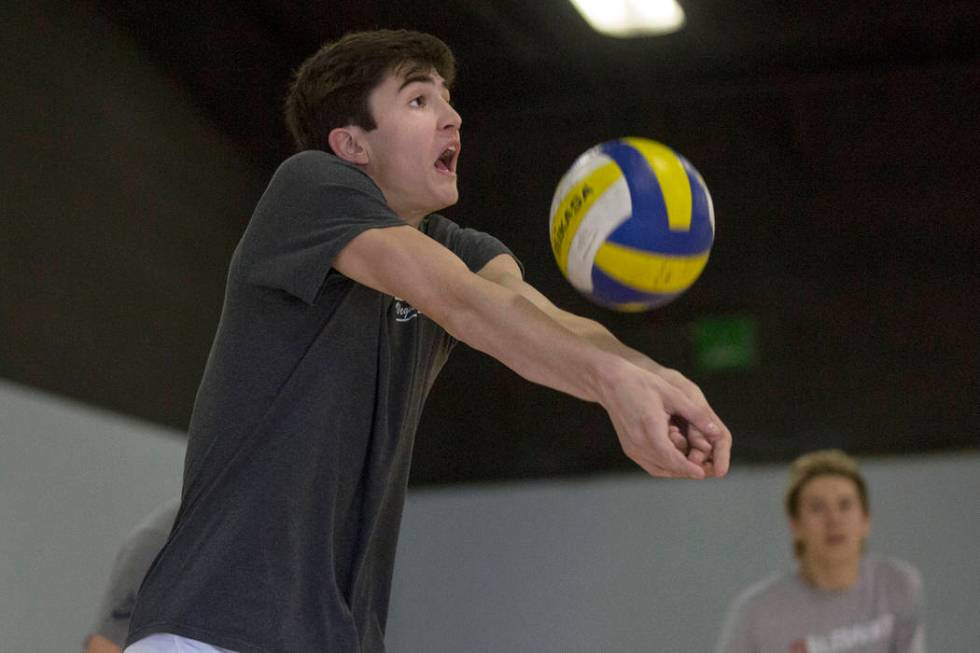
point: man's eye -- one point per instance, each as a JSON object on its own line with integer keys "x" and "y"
{"x": 418, "y": 102}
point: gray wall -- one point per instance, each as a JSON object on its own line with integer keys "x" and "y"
{"x": 627, "y": 563}
{"x": 619, "y": 563}
{"x": 73, "y": 482}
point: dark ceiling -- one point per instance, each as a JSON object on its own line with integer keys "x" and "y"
{"x": 237, "y": 57}
{"x": 840, "y": 140}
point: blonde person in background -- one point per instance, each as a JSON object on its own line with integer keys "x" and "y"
{"x": 838, "y": 598}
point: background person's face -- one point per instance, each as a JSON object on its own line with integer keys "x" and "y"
{"x": 831, "y": 523}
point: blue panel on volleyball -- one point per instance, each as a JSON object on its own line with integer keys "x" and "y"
{"x": 648, "y": 223}
{"x": 607, "y": 290}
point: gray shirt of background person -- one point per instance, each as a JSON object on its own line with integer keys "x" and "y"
{"x": 881, "y": 613}
{"x": 140, "y": 547}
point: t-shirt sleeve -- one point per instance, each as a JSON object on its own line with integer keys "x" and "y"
{"x": 474, "y": 248}
{"x": 736, "y": 630}
{"x": 314, "y": 206}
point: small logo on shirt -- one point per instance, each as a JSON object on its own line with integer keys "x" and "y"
{"x": 404, "y": 311}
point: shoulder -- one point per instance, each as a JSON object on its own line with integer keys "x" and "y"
{"x": 315, "y": 162}
{"x": 151, "y": 533}
{"x": 476, "y": 248}
{"x": 162, "y": 518}
{"x": 761, "y": 596}
{"x": 440, "y": 228}
{"x": 750, "y": 611}
{"x": 319, "y": 167}
{"x": 897, "y": 577}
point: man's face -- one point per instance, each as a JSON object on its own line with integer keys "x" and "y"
{"x": 412, "y": 153}
{"x": 831, "y": 522}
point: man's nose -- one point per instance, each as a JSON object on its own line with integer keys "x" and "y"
{"x": 452, "y": 119}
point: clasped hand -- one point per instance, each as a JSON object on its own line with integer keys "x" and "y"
{"x": 664, "y": 423}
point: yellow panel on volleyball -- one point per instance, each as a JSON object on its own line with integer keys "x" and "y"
{"x": 630, "y": 307}
{"x": 649, "y": 272}
{"x": 674, "y": 184}
{"x": 575, "y": 205}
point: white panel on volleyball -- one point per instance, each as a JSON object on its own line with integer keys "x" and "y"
{"x": 591, "y": 159}
{"x": 612, "y": 209}
{"x": 711, "y": 205}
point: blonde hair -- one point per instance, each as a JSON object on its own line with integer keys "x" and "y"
{"x": 826, "y": 462}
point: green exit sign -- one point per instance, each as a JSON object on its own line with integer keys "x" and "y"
{"x": 725, "y": 343}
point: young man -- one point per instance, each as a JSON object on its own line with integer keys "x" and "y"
{"x": 344, "y": 298}
{"x": 838, "y": 599}
{"x": 137, "y": 552}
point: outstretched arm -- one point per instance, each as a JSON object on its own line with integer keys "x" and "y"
{"x": 711, "y": 451}
{"x": 490, "y": 315}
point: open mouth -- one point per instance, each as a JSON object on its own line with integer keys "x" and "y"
{"x": 447, "y": 160}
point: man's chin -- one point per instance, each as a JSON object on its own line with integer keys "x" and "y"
{"x": 446, "y": 201}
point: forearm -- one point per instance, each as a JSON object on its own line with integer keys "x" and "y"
{"x": 601, "y": 337}
{"x": 506, "y": 274}
{"x": 510, "y": 328}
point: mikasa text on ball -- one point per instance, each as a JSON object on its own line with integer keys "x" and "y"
{"x": 632, "y": 224}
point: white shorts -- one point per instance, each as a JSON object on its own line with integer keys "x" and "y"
{"x": 167, "y": 643}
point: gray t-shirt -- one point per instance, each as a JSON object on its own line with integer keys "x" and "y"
{"x": 301, "y": 436}
{"x": 133, "y": 559}
{"x": 881, "y": 613}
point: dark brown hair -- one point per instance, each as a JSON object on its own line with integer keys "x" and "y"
{"x": 331, "y": 88}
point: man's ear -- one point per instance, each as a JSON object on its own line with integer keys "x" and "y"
{"x": 345, "y": 143}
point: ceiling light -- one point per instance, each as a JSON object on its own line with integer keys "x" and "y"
{"x": 623, "y": 18}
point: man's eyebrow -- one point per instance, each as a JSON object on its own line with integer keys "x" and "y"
{"x": 422, "y": 78}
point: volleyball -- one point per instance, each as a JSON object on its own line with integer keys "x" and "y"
{"x": 631, "y": 224}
